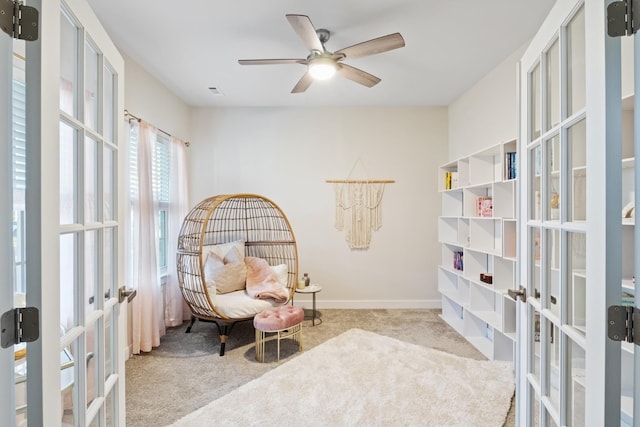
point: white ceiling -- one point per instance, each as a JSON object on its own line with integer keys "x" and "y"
{"x": 193, "y": 45}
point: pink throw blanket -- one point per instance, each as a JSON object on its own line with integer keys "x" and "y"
{"x": 262, "y": 282}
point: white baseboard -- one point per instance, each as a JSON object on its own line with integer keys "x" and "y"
{"x": 368, "y": 304}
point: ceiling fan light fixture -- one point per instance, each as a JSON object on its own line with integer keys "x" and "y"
{"x": 322, "y": 68}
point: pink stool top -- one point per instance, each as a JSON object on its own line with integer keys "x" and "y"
{"x": 278, "y": 318}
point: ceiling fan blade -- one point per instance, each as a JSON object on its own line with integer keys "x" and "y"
{"x": 305, "y": 30}
{"x": 303, "y": 84}
{"x": 373, "y": 46}
{"x": 271, "y": 61}
{"x": 357, "y": 75}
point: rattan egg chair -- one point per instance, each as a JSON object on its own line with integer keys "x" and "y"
{"x": 221, "y": 219}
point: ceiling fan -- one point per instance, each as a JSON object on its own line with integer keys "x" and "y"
{"x": 323, "y": 64}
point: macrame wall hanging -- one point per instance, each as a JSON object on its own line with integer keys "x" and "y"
{"x": 358, "y": 207}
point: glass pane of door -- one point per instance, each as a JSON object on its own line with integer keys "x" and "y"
{"x": 577, "y": 152}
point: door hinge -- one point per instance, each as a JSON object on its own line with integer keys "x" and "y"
{"x": 19, "y": 325}
{"x": 18, "y": 20}
{"x": 622, "y": 319}
{"x": 620, "y": 19}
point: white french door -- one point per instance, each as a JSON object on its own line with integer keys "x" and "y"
{"x": 571, "y": 253}
{"x": 7, "y": 391}
{"x": 73, "y": 238}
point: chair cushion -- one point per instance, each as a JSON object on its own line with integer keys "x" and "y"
{"x": 239, "y": 305}
{"x": 278, "y": 318}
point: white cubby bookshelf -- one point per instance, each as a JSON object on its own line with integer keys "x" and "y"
{"x": 481, "y": 312}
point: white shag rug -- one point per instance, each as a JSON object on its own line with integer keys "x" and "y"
{"x": 365, "y": 379}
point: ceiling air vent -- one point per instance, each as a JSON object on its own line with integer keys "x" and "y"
{"x": 215, "y": 91}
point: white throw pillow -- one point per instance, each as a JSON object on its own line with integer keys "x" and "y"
{"x": 222, "y": 249}
{"x": 224, "y": 268}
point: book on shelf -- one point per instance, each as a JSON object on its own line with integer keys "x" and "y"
{"x": 484, "y": 207}
{"x": 458, "y": 260}
{"x": 450, "y": 180}
{"x": 510, "y": 170}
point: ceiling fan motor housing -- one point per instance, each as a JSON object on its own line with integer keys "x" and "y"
{"x": 323, "y": 35}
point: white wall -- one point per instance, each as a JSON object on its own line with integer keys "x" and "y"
{"x": 286, "y": 154}
{"x": 149, "y": 99}
{"x": 487, "y": 113}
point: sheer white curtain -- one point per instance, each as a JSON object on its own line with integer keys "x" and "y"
{"x": 147, "y": 321}
{"x": 176, "y": 309}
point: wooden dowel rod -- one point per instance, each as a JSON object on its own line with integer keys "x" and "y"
{"x": 360, "y": 181}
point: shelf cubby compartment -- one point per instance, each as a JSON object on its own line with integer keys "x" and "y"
{"x": 463, "y": 172}
{"x": 448, "y": 252}
{"x": 452, "y": 203}
{"x": 448, "y": 229}
{"x": 504, "y": 204}
{"x": 463, "y": 291}
{"x": 478, "y": 333}
{"x": 470, "y": 199}
{"x": 448, "y": 283}
{"x": 463, "y": 232}
{"x": 504, "y": 274}
{"x": 485, "y": 166}
{"x": 442, "y": 176}
{"x": 486, "y": 305}
{"x": 503, "y": 347}
{"x": 453, "y": 313}
{"x": 485, "y": 234}
{"x": 509, "y": 240}
{"x": 476, "y": 263}
{"x": 509, "y": 317}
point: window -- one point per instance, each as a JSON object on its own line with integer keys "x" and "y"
{"x": 160, "y": 177}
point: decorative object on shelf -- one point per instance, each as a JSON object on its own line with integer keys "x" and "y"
{"x": 307, "y": 279}
{"x": 555, "y": 206}
{"x": 486, "y": 278}
{"x": 484, "y": 207}
{"x": 358, "y": 207}
{"x": 301, "y": 283}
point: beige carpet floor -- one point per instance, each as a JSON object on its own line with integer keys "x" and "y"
{"x": 185, "y": 372}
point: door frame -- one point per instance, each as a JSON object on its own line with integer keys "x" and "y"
{"x": 7, "y": 375}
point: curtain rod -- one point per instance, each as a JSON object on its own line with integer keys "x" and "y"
{"x": 130, "y": 117}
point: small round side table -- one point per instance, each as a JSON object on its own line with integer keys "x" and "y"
{"x": 313, "y": 290}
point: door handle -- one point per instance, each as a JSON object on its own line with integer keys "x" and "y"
{"x": 518, "y": 293}
{"x": 126, "y": 294}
